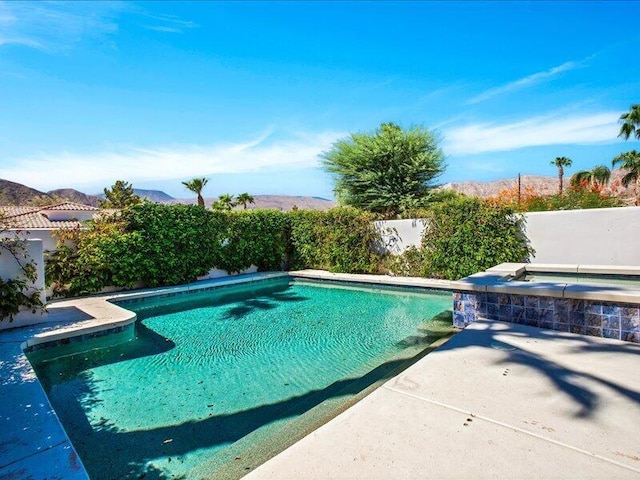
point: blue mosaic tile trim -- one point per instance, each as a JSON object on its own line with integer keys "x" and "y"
{"x": 586, "y": 317}
{"x": 123, "y": 302}
{"x": 371, "y": 285}
{"x": 468, "y": 307}
{"x": 151, "y": 295}
{"x": 78, "y": 338}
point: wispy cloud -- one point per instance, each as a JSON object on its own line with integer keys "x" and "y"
{"x": 537, "y": 131}
{"x": 56, "y": 27}
{"x": 168, "y": 23}
{"x": 48, "y": 171}
{"x": 527, "y": 81}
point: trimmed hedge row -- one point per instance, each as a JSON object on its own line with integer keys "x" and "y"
{"x": 154, "y": 244}
{"x": 157, "y": 244}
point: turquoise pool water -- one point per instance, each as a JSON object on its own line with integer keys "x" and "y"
{"x": 214, "y": 374}
{"x": 629, "y": 281}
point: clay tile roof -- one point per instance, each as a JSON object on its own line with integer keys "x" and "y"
{"x": 70, "y": 206}
{"x": 25, "y": 218}
{"x": 10, "y": 212}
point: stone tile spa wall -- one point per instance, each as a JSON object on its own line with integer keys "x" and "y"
{"x": 587, "y": 317}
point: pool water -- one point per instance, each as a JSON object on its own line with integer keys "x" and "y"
{"x": 627, "y": 281}
{"x": 209, "y": 371}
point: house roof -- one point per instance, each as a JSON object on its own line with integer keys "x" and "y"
{"x": 35, "y": 217}
{"x": 70, "y": 207}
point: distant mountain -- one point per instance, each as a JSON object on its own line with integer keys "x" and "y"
{"x": 544, "y": 185}
{"x": 154, "y": 195}
{"x": 75, "y": 196}
{"x": 12, "y": 193}
{"x": 279, "y": 202}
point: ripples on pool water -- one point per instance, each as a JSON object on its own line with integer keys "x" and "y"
{"x": 207, "y": 369}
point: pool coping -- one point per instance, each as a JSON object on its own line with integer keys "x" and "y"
{"x": 500, "y": 279}
{"x": 87, "y": 317}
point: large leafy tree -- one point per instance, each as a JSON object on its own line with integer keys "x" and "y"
{"x": 598, "y": 176}
{"x": 196, "y": 185}
{"x": 630, "y": 123}
{"x": 630, "y": 161}
{"x": 244, "y": 199}
{"x": 387, "y": 171}
{"x": 120, "y": 195}
{"x": 561, "y": 162}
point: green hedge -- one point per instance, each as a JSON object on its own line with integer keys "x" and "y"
{"x": 157, "y": 244}
{"x": 338, "y": 240}
{"x": 465, "y": 236}
{"x": 252, "y": 237}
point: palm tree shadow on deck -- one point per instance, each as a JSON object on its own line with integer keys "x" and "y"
{"x": 572, "y": 382}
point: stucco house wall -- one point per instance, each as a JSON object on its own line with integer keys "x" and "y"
{"x": 10, "y": 269}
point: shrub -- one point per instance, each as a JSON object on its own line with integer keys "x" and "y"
{"x": 411, "y": 263}
{"x": 253, "y": 237}
{"x": 150, "y": 243}
{"x": 581, "y": 196}
{"x": 338, "y": 240}
{"x": 172, "y": 244}
{"x": 15, "y": 292}
{"x": 465, "y": 236}
{"x": 469, "y": 235}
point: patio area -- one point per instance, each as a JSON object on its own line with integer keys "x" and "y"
{"x": 498, "y": 400}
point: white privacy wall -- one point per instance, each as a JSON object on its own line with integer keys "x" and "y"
{"x": 398, "y": 235}
{"x": 604, "y": 236}
{"x": 9, "y": 269}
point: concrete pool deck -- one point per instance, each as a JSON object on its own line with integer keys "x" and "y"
{"x": 498, "y": 400}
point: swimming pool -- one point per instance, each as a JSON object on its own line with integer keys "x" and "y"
{"x": 214, "y": 383}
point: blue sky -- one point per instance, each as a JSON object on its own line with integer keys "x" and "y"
{"x": 249, "y": 94}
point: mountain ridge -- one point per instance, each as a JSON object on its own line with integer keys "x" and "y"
{"x": 541, "y": 184}
{"x": 13, "y": 193}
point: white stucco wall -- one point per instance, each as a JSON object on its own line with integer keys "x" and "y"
{"x": 398, "y": 235}
{"x": 9, "y": 269}
{"x": 44, "y": 234}
{"x": 604, "y": 236}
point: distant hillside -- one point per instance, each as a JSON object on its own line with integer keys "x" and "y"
{"x": 153, "y": 195}
{"x": 12, "y": 193}
{"x": 544, "y": 185}
{"x": 75, "y": 196}
{"x": 279, "y": 202}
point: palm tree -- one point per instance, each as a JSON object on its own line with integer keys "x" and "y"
{"x": 561, "y": 162}
{"x": 244, "y": 199}
{"x": 630, "y": 161}
{"x": 630, "y": 123}
{"x": 598, "y": 176}
{"x": 224, "y": 202}
{"x": 196, "y": 185}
